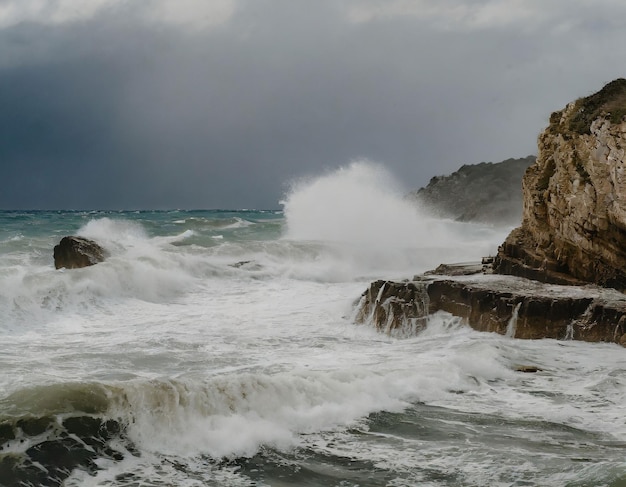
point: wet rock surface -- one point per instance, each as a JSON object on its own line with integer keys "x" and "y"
{"x": 517, "y": 307}
{"x": 44, "y": 451}
{"x": 76, "y": 252}
{"x": 394, "y": 306}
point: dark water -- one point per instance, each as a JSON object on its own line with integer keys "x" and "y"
{"x": 417, "y": 446}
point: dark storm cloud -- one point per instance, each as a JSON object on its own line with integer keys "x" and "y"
{"x": 115, "y": 111}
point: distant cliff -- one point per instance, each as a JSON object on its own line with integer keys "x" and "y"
{"x": 574, "y": 214}
{"x": 485, "y": 192}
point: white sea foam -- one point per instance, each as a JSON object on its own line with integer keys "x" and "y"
{"x": 113, "y": 231}
{"x": 238, "y": 223}
{"x": 236, "y": 414}
{"x": 138, "y": 267}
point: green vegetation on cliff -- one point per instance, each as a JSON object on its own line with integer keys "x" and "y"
{"x": 609, "y": 102}
{"x": 574, "y": 212}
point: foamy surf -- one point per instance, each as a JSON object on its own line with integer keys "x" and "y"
{"x": 379, "y": 408}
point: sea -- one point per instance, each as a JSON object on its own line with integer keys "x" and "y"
{"x": 219, "y": 348}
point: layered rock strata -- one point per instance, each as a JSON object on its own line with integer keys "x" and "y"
{"x": 574, "y": 213}
{"x": 517, "y": 307}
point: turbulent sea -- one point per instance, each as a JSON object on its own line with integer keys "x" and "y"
{"x": 218, "y": 348}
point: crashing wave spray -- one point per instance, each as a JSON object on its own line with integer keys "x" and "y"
{"x": 361, "y": 209}
{"x": 360, "y": 202}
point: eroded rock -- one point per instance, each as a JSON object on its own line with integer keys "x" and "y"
{"x": 517, "y": 307}
{"x": 574, "y": 212}
{"x": 394, "y": 306}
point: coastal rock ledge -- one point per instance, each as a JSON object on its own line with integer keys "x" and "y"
{"x": 517, "y": 307}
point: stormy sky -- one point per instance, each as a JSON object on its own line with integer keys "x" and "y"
{"x": 121, "y": 104}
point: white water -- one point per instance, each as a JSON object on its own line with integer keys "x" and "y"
{"x": 360, "y": 211}
{"x": 201, "y": 358}
{"x": 511, "y": 327}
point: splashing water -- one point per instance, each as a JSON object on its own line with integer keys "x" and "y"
{"x": 360, "y": 210}
{"x": 511, "y": 327}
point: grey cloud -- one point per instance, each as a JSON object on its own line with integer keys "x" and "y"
{"x": 116, "y": 112}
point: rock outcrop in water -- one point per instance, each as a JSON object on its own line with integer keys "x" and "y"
{"x": 574, "y": 213}
{"x": 508, "y": 305}
{"x": 485, "y": 192}
{"x": 51, "y": 448}
{"x": 76, "y": 252}
{"x": 392, "y": 306}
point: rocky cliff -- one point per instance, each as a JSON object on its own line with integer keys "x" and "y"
{"x": 485, "y": 192}
{"x": 573, "y": 232}
{"x": 574, "y": 211}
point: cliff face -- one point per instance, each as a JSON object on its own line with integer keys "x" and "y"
{"x": 574, "y": 211}
{"x": 485, "y": 192}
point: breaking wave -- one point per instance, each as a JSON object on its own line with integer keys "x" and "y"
{"x": 360, "y": 212}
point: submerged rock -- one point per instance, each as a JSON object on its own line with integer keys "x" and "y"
{"x": 574, "y": 211}
{"x": 528, "y": 369}
{"x": 76, "y": 252}
{"x": 44, "y": 451}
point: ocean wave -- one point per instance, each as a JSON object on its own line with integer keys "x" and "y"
{"x": 228, "y": 416}
{"x": 238, "y": 223}
{"x": 47, "y": 432}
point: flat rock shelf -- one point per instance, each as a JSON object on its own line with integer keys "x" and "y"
{"x": 514, "y": 306}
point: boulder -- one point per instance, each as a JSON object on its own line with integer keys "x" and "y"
{"x": 76, "y": 252}
{"x": 574, "y": 212}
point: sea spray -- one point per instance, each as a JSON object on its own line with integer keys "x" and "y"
{"x": 511, "y": 327}
{"x": 359, "y": 203}
{"x": 360, "y": 214}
